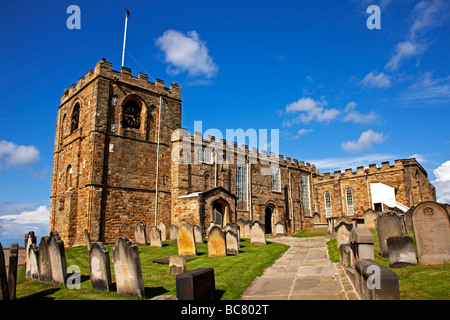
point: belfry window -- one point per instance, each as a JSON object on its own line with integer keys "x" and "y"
{"x": 349, "y": 197}
{"x": 75, "y": 118}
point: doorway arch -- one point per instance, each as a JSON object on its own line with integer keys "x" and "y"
{"x": 268, "y": 217}
{"x": 220, "y": 212}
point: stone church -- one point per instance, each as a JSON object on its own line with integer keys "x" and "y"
{"x": 121, "y": 157}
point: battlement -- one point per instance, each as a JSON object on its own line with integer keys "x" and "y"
{"x": 105, "y": 69}
{"x": 241, "y": 151}
{"x": 371, "y": 169}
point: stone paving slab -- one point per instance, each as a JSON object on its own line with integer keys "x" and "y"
{"x": 303, "y": 272}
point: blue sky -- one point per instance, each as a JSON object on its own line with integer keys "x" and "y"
{"x": 340, "y": 94}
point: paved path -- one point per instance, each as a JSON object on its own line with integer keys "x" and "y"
{"x": 304, "y": 272}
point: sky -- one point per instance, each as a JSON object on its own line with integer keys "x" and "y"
{"x": 343, "y": 85}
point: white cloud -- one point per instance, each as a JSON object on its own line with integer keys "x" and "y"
{"x": 373, "y": 80}
{"x": 365, "y": 141}
{"x": 352, "y": 115}
{"x": 426, "y": 15}
{"x": 309, "y": 110}
{"x": 186, "y": 53}
{"x": 14, "y": 226}
{"x": 428, "y": 90}
{"x": 442, "y": 182}
{"x": 12, "y": 154}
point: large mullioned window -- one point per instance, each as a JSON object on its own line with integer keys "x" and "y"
{"x": 349, "y": 197}
{"x": 327, "y": 204}
{"x": 241, "y": 185}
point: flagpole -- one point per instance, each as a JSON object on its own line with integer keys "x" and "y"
{"x": 125, "y": 36}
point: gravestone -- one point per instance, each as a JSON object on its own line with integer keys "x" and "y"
{"x": 388, "y": 224}
{"x": 217, "y": 246}
{"x": 4, "y": 292}
{"x": 247, "y": 227}
{"x": 173, "y": 232}
{"x": 45, "y": 264}
{"x": 177, "y": 265}
{"x": 12, "y": 272}
{"x": 127, "y": 267}
{"x": 57, "y": 259}
{"x": 100, "y": 269}
{"x": 408, "y": 219}
{"x": 362, "y": 243}
{"x": 140, "y": 236}
{"x": 240, "y": 224}
{"x": 155, "y": 237}
{"x": 342, "y": 229}
{"x": 431, "y": 225}
{"x": 232, "y": 242}
{"x": 402, "y": 252}
{"x": 369, "y": 218}
{"x": 33, "y": 254}
{"x": 258, "y": 233}
{"x": 87, "y": 239}
{"x": 279, "y": 229}
{"x": 186, "y": 240}
{"x": 29, "y": 238}
{"x": 233, "y": 227}
{"x": 198, "y": 234}
{"x": 198, "y": 284}
{"x": 162, "y": 227}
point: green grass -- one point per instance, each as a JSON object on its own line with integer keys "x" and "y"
{"x": 311, "y": 232}
{"x": 416, "y": 282}
{"x": 233, "y": 273}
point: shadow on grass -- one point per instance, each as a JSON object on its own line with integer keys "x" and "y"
{"x": 42, "y": 295}
{"x": 151, "y": 292}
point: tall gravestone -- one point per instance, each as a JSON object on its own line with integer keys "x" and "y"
{"x": 127, "y": 267}
{"x": 33, "y": 254}
{"x": 58, "y": 259}
{"x": 29, "y": 238}
{"x": 342, "y": 229}
{"x": 408, "y": 219}
{"x": 198, "y": 234}
{"x": 240, "y": 224}
{"x": 45, "y": 264}
{"x": 155, "y": 237}
{"x": 247, "y": 227}
{"x": 186, "y": 240}
{"x": 431, "y": 225}
{"x": 173, "y": 232}
{"x": 140, "y": 237}
{"x": 232, "y": 241}
{"x": 4, "y": 292}
{"x": 162, "y": 227}
{"x": 100, "y": 269}
{"x": 388, "y": 224}
{"x": 217, "y": 246}
{"x": 12, "y": 272}
{"x": 234, "y": 227}
{"x": 369, "y": 217}
{"x": 258, "y": 233}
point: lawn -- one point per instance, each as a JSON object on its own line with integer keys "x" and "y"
{"x": 416, "y": 282}
{"x": 233, "y": 273}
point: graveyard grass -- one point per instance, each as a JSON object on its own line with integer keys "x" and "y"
{"x": 419, "y": 282}
{"x": 233, "y": 273}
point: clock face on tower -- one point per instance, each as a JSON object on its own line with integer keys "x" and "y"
{"x": 132, "y": 115}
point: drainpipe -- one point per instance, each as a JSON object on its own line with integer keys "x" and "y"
{"x": 157, "y": 160}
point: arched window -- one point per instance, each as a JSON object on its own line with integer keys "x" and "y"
{"x": 207, "y": 181}
{"x": 75, "y": 118}
{"x": 349, "y": 198}
{"x": 69, "y": 177}
{"x": 131, "y": 115}
{"x": 328, "y": 212}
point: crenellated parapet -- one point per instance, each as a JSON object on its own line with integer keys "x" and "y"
{"x": 105, "y": 69}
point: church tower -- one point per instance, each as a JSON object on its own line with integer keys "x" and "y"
{"x": 112, "y": 144}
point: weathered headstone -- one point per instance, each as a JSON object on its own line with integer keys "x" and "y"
{"x": 279, "y": 229}
{"x": 431, "y": 225}
{"x": 217, "y": 245}
{"x": 177, "y": 265}
{"x": 162, "y": 227}
{"x": 232, "y": 241}
{"x": 258, "y": 233}
{"x": 369, "y": 217}
{"x": 127, "y": 267}
{"x": 240, "y": 224}
{"x": 198, "y": 234}
{"x": 173, "y": 230}
{"x": 29, "y": 238}
{"x": 186, "y": 240}
{"x": 87, "y": 239}
{"x": 45, "y": 264}
{"x": 402, "y": 252}
{"x": 100, "y": 269}
{"x": 388, "y": 224}
{"x": 140, "y": 236}
{"x": 342, "y": 229}
{"x": 12, "y": 272}
{"x": 58, "y": 259}
{"x": 247, "y": 227}
{"x": 155, "y": 237}
{"x": 33, "y": 254}
{"x": 4, "y": 292}
{"x": 232, "y": 227}
{"x": 408, "y": 219}
{"x": 362, "y": 243}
